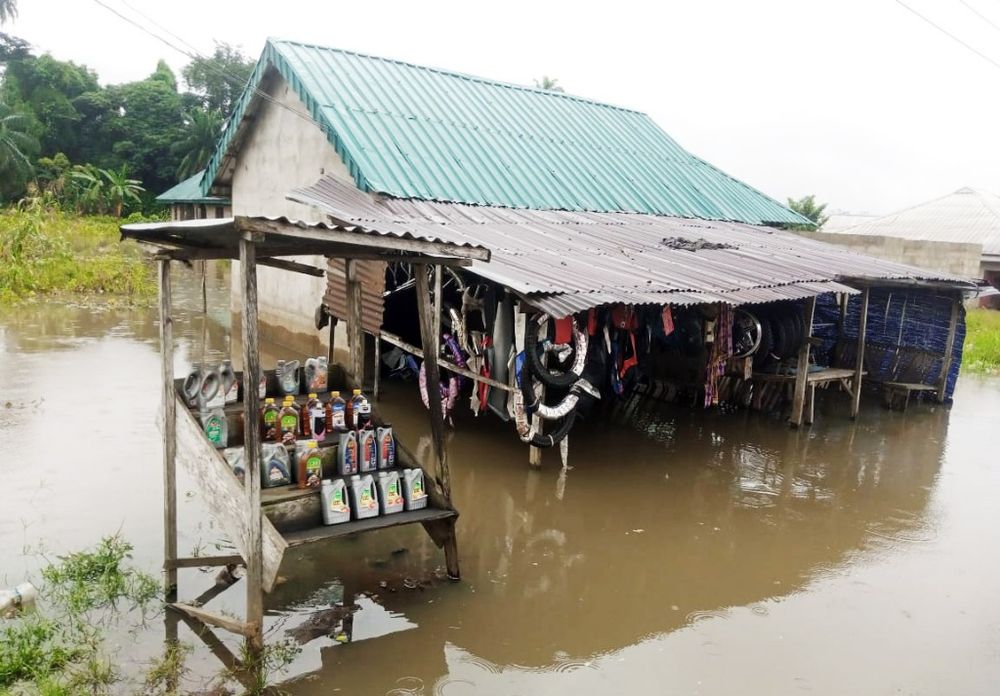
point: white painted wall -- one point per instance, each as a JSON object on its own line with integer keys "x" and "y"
{"x": 284, "y": 151}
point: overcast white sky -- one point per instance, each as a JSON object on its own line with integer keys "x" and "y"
{"x": 857, "y": 101}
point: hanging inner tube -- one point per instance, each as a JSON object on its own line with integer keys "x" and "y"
{"x": 534, "y": 349}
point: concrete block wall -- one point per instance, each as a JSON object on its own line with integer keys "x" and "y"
{"x": 949, "y": 257}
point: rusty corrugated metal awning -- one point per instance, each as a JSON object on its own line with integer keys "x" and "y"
{"x": 562, "y": 261}
{"x": 371, "y": 275}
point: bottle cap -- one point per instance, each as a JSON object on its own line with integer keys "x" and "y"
{"x": 312, "y": 396}
{"x": 311, "y": 444}
{"x": 269, "y": 400}
{"x": 334, "y": 394}
{"x": 357, "y": 392}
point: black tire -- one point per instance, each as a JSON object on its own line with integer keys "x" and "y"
{"x": 763, "y": 355}
{"x": 783, "y": 326}
{"x": 534, "y": 360}
{"x": 552, "y": 439}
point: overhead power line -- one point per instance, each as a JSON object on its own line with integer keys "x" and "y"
{"x": 947, "y": 33}
{"x": 194, "y": 54}
{"x": 981, "y": 15}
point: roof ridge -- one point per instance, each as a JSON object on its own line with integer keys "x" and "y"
{"x": 460, "y": 75}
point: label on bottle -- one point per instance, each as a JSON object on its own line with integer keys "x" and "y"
{"x": 367, "y": 501}
{"x": 337, "y": 502}
{"x": 318, "y": 416}
{"x": 339, "y": 422}
{"x": 314, "y": 471}
{"x": 213, "y": 430}
{"x": 289, "y": 423}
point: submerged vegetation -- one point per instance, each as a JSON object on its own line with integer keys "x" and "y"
{"x": 46, "y": 251}
{"x": 982, "y": 341}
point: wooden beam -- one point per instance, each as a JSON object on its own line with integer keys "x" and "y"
{"x": 205, "y": 561}
{"x": 369, "y": 241}
{"x": 452, "y": 367}
{"x": 212, "y": 619}
{"x": 802, "y": 368}
{"x": 859, "y": 362}
{"x": 169, "y": 429}
{"x": 252, "y": 449}
{"x": 430, "y": 343}
{"x": 949, "y": 349}
{"x": 293, "y": 266}
{"x": 355, "y": 328}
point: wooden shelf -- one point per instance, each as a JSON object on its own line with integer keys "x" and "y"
{"x": 308, "y": 536}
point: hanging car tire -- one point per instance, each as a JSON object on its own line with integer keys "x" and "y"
{"x": 534, "y": 349}
{"x": 764, "y": 354}
{"x": 746, "y": 333}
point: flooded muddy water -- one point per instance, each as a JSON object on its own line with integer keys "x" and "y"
{"x": 682, "y": 552}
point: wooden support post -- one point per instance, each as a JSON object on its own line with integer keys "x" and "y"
{"x": 251, "y": 419}
{"x": 169, "y": 432}
{"x": 535, "y": 453}
{"x": 332, "y": 341}
{"x": 430, "y": 335}
{"x": 946, "y": 359}
{"x": 429, "y": 340}
{"x": 355, "y": 332}
{"x": 802, "y": 371}
{"x": 859, "y": 363}
{"x": 378, "y": 366}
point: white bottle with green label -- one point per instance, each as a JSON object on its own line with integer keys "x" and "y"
{"x": 216, "y": 428}
{"x": 390, "y": 494}
{"x": 336, "y": 507}
{"x": 364, "y": 498}
{"x": 414, "y": 493}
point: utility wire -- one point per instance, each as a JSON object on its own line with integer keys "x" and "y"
{"x": 195, "y": 55}
{"x": 981, "y": 15}
{"x": 946, "y": 33}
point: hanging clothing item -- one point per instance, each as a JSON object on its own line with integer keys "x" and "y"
{"x": 501, "y": 354}
{"x": 564, "y": 330}
{"x": 667, "y": 317}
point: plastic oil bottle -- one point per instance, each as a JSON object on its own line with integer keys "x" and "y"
{"x": 269, "y": 421}
{"x": 230, "y": 385}
{"x": 347, "y": 453}
{"x": 352, "y": 406}
{"x": 336, "y": 411}
{"x": 414, "y": 493}
{"x": 315, "y": 373}
{"x": 314, "y": 418}
{"x": 336, "y": 508}
{"x": 309, "y": 472}
{"x": 288, "y": 421}
{"x": 367, "y": 450}
{"x": 364, "y": 498}
{"x": 386, "y": 447}
{"x": 390, "y": 496}
{"x": 216, "y": 428}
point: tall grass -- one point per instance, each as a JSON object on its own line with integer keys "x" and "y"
{"x": 982, "y": 341}
{"x": 49, "y": 252}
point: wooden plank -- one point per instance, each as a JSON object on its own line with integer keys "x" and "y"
{"x": 446, "y": 364}
{"x": 254, "y": 548}
{"x": 212, "y": 619}
{"x": 946, "y": 359}
{"x": 222, "y": 492}
{"x": 859, "y": 364}
{"x": 361, "y": 239}
{"x": 206, "y": 561}
{"x": 802, "y": 367}
{"x": 433, "y": 375}
{"x": 355, "y": 330}
{"x": 334, "y": 531}
{"x": 169, "y": 429}
{"x": 909, "y": 386}
{"x": 293, "y": 266}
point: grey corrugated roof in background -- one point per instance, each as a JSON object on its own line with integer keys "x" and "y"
{"x": 968, "y": 215}
{"x": 562, "y": 261}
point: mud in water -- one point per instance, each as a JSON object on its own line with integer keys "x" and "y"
{"x": 682, "y": 552}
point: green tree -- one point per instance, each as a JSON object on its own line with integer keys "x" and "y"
{"x": 220, "y": 78}
{"x": 808, "y": 208}
{"x": 198, "y": 141}
{"x": 121, "y": 189}
{"x": 17, "y": 145}
{"x": 8, "y": 10}
{"x": 550, "y": 84}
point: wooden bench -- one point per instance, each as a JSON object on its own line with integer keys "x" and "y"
{"x": 896, "y": 395}
{"x": 816, "y": 378}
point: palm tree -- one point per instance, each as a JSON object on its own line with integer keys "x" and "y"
{"x": 549, "y": 83}
{"x": 8, "y": 10}
{"x": 121, "y": 189}
{"x": 15, "y": 141}
{"x": 198, "y": 142}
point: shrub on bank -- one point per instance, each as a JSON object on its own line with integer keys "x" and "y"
{"x": 48, "y": 251}
{"x": 982, "y": 341}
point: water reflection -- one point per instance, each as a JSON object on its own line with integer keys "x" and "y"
{"x": 663, "y": 527}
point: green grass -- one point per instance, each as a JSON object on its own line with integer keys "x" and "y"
{"x": 982, "y": 341}
{"x": 44, "y": 252}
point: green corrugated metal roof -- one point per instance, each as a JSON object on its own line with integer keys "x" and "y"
{"x": 189, "y": 191}
{"x": 415, "y": 132}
